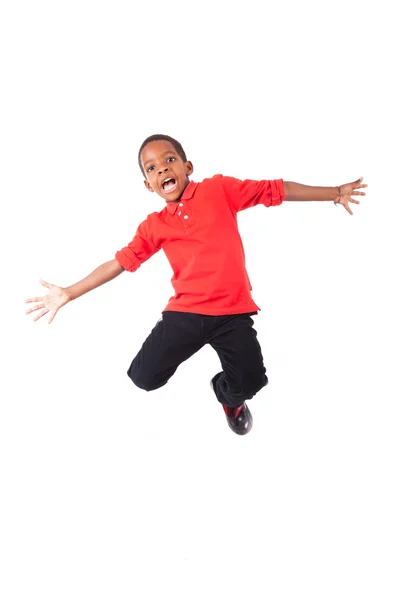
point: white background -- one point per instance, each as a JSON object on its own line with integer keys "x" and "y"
{"x": 109, "y": 492}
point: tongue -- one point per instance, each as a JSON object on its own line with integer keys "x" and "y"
{"x": 169, "y": 184}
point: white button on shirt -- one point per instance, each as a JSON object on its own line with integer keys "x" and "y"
{"x": 185, "y": 217}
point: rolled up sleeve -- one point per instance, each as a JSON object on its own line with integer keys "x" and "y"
{"x": 242, "y": 194}
{"x": 140, "y": 249}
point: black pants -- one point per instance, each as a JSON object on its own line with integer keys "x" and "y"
{"x": 178, "y": 335}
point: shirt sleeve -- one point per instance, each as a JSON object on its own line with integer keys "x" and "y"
{"x": 244, "y": 194}
{"x": 140, "y": 249}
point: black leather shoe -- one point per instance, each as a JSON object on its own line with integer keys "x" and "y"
{"x": 239, "y": 418}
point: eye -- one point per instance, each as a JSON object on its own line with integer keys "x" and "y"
{"x": 170, "y": 158}
{"x": 149, "y": 169}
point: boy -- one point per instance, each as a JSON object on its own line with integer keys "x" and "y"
{"x": 212, "y": 303}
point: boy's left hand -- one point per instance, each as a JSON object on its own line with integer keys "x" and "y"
{"x": 348, "y": 190}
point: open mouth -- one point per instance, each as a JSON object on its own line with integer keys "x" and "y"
{"x": 169, "y": 185}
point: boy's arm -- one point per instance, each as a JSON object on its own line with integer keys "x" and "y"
{"x": 140, "y": 249}
{"x": 104, "y": 273}
{"x": 58, "y": 296}
{"x": 340, "y": 195}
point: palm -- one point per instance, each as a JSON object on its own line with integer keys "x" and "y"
{"x": 55, "y": 299}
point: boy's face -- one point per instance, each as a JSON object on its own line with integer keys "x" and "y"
{"x": 166, "y": 173}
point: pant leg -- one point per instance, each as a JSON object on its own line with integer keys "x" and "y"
{"x": 175, "y": 338}
{"x": 244, "y": 374}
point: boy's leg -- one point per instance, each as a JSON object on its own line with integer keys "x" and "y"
{"x": 175, "y": 338}
{"x": 244, "y": 373}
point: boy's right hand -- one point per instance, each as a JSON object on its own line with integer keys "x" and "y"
{"x": 55, "y": 299}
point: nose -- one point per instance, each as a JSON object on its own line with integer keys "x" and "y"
{"x": 162, "y": 170}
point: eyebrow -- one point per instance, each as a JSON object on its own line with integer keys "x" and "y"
{"x": 164, "y": 154}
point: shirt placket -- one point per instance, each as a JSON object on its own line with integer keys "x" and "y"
{"x": 184, "y": 214}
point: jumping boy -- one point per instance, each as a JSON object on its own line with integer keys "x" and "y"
{"x": 212, "y": 304}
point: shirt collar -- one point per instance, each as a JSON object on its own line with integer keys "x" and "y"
{"x": 172, "y": 207}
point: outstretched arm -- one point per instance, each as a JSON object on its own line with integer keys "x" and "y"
{"x": 104, "y": 273}
{"x": 58, "y": 296}
{"x": 339, "y": 195}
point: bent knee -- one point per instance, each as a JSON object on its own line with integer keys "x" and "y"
{"x": 144, "y": 381}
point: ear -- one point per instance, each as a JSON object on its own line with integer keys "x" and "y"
{"x": 148, "y": 186}
{"x": 189, "y": 167}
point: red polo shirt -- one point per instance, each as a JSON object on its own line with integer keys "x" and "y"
{"x": 200, "y": 237}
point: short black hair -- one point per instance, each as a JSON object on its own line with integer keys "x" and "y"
{"x": 157, "y": 137}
